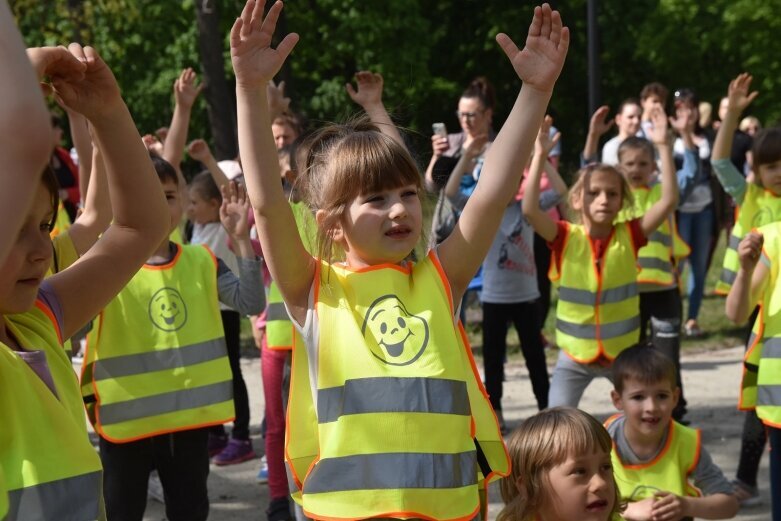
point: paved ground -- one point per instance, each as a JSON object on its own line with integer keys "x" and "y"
{"x": 711, "y": 380}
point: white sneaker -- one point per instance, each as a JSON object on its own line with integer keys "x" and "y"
{"x": 263, "y": 473}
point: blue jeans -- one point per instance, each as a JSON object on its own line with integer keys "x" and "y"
{"x": 697, "y": 230}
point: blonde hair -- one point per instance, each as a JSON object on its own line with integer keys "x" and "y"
{"x": 339, "y": 163}
{"x": 582, "y": 176}
{"x": 539, "y": 444}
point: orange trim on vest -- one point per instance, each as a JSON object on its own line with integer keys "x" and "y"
{"x": 40, "y": 304}
{"x": 435, "y": 261}
{"x": 169, "y": 264}
{"x": 406, "y": 268}
{"x": 401, "y": 515}
{"x": 667, "y": 445}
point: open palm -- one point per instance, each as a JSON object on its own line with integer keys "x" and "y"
{"x": 255, "y": 62}
{"x": 539, "y": 63}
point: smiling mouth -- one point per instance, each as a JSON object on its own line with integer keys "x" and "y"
{"x": 397, "y": 348}
{"x": 170, "y": 320}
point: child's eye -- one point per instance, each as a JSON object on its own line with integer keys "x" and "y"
{"x": 410, "y": 193}
{"x": 578, "y": 471}
{"x": 607, "y": 467}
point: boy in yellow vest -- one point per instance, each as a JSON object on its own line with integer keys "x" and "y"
{"x": 661, "y": 469}
{"x": 156, "y": 372}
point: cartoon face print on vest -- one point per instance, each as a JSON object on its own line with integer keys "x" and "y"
{"x": 394, "y": 335}
{"x": 763, "y": 216}
{"x": 167, "y": 310}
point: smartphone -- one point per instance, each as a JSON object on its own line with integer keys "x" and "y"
{"x": 439, "y": 129}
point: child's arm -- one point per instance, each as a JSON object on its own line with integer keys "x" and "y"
{"x": 200, "y": 151}
{"x": 464, "y": 163}
{"x": 140, "y": 210}
{"x": 717, "y": 506}
{"x": 598, "y": 127}
{"x": 544, "y": 144}
{"x": 96, "y": 216}
{"x": 538, "y": 65}
{"x": 83, "y": 143}
{"x": 660, "y": 210}
{"x": 255, "y": 63}
{"x": 537, "y": 217}
{"x": 751, "y": 279}
{"x": 244, "y": 293}
{"x": 369, "y": 96}
{"x": 25, "y": 125}
{"x": 186, "y": 91}
{"x": 683, "y": 123}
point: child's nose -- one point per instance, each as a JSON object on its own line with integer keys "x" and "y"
{"x": 398, "y": 209}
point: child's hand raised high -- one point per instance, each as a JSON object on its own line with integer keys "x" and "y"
{"x": 545, "y": 143}
{"x": 199, "y": 150}
{"x": 234, "y": 211}
{"x": 369, "y": 90}
{"x": 539, "y": 63}
{"x": 599, "y": 124}
{"x": 255, "y": 63}
{"x": 55, "y": 62}
{"x": 658, "y": 132}
{"x": 186, "y": 88}
{"x": 277, "y": 102}
{"x": 738, "y": 92}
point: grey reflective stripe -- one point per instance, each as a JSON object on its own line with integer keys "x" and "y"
{"x": 398, "y": 470}
{"x": 86, "y": 376}
{"x": 769, "y": 395}
{"x": 606, "y": 331}
{"x": 728, "y": 276}
{"x": 733, "y": 242}
{"x": 291, "y": 483}
{"x": 771, "y": 348}
{"x": 390, "y": 394}
{"x": 69, "y": 499}
{"x": 276, "y": 311}
{"x": 662, "y": 237}
{"x": 112, "y": 413}
{"x": 588, "y": 298}
{"x": 152, "y": 361}
{"x": 653, "y": 263}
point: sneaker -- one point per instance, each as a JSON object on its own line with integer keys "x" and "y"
{"x": 747, "y": 495}
{"x": 155, "y": 488}
{"x": 263, "y": 472}
{"x": 236, "y": 451}
{"x": 279, "y": 510}
{"x": 692, "y": 330}
{"x": 217, "y": 444}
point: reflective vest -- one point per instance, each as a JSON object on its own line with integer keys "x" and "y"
{"x": 279, "y": 328}
{"x": 3, "y": 497}
{"x": 177, "y": 237}
{"x": 387, "y": 414}
{"x": 598, "y": 312}
{"x": 668, "y": 471}
{"x": 760, "y": 207}
{"x": 658, "y": 259}
{"x": 761, "y": 384}
{"x": 51, "y": 471}
{"x": 157, "y": 362}
{"x": 62, "y": 222}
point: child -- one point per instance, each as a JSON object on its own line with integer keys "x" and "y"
{"x": 595, "y": 266}
{"x": 661, "y": 468}
{"x": 757, "y": 282}
{"x": 628, "y": 122}
{"x": 561, "y": 470}
{"x": 396, "y": 403}
{"x": 49, "y": 465}
{"x": 657, "y": 282}
{"x": 510, "y": 284}
{"x": 204, "y": 212}
{"x": 156, "y": 371}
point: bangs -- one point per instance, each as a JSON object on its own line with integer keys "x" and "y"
{"x": 767, "y": 147}
{"x": 576, "y": 434}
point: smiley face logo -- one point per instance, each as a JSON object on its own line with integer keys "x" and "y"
{"x": 394, "y": 335}
{"x": 167, "y": 310}
{"x": 763, "y": 216}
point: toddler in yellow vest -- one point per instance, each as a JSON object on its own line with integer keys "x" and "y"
{"x": 387, "y": 416}
{"x": 595, "y": 266}
{"x": 661, "y": 469}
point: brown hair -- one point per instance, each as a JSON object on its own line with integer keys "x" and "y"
{"x": 49, "y": 180}
{"x": 338, "y": 163}
{"x": 655, "y": 88}
{"x": 539, "y": 444}
{"x": 292, "y": 120}
{"x": 583, "y": 175}
{"x": 481, "y": 89}
{"x": 644, "y": 364}
{"x": 766, "y": 149}
{"x": 635, "y": 143}
{"x": 203, "y": 184}
{"x": 627, "y": 102}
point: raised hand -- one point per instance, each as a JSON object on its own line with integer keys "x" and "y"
{"x": 186, "y": 88}
{"x": 234, "y": 211}
{"x": 369, "y": 90}
{"x": 93, "y": 94}
{"x": 599, "y": 124}
{"x": 738, "y": 92}
{"x": 539, "y": 63}
{"x": 275, "y": 98}
{"x": 255, "y": 63}
{"x": 199, "y": 150}
{"x": 658, "y": 133}
{"x": 56, "y": 62}
{"x": 152, "y": 144}
{"x": 684, "y": 120}
{"x": 545, "y": 143}
{"x": 749, "y": 250}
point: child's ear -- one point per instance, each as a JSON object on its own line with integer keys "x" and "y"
{"x": 616, "y": 398}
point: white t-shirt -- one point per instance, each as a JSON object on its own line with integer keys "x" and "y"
{"x": 215, "y": 237}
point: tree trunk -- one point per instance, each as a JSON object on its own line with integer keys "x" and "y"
{"x": 220, "y": 99}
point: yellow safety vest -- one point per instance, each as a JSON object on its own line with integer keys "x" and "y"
{"x": 658, "y": 259}
{"x": 62, "y": 222}
{"x": 598, "y": 312}
{"x": 387, "y": 414}
{"x": 157, "y": 362}
{"x": 3, "y": 497}
{"x": 65, "y": 255}
{"x": 760, "y": 207}
{"x": 668, "y": 471}
{"x": 279, "y": 328}
{"x": 51, "y": 471}
{"x": 761, "y": 384}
